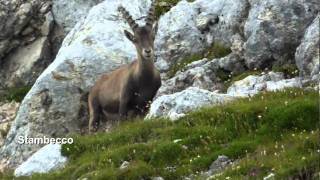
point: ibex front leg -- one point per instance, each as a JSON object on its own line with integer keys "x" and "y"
{"x": 124, "y": 102}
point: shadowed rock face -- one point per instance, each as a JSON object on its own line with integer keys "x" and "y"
{"x": 20, "y": 23}
{"x": 31, "y": 34}
{"x": 25, "y": 52}
{"x": 307, "y": 54}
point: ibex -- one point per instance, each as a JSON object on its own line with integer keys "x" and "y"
{"x": 130, "y": 87}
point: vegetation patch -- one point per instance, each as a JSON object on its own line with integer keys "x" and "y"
{"x": 14, "y": 94}
{"x": 289, "y": 70}
{"x": 164, "y": 6}
{"x": 274, "y": 132}
{"x": 217, "y": 50}
{"x": 294, "y": 156}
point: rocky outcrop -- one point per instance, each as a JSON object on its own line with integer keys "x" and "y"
{"x": 274, "y": 30}
{"x": 24, "y": 65}
{"x": 264, "y": 33}
{"x": 178, "y": 104}
{"x": 189, "y": 28}
{"x": 307, "y": 55}
{"x": 219, "y": 165}
{"x": 205, "y": 74}
{"x": 47, "y": 159}
{"x": 20, "y": 23}
{"x": 252, "y": 85}
{"x": 56, "y": 104}
{"x": 31, "y": 35}
{"x": 24, "y": 42}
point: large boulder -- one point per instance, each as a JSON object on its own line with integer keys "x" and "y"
{"x": 68, "y": 13}
{"x": 253, "y": 84}
{"x": 47, "y": 159}
{"x": 205, "y": 74}
{"x": 189, "y": 28}
{"x": 56, "y": 104}
{"x": 307, "y": 54}
{"x": 274, "y": 30}
{"x": 174, "y": 106}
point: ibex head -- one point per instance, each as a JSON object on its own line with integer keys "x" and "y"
{"x": 142, "y": 37}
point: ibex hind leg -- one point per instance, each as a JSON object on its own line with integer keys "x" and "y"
{"x": 94, "y": 110}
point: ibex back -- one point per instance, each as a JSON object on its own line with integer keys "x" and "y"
{"x": 130, "y": 87}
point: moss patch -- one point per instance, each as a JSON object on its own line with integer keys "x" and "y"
{"x": 217, "y": 50}
{"x": 164, "y": 6}
{"x": 172, "y": 150}
{"x": 289, "y": 70}
{"x": 14, "y": 94}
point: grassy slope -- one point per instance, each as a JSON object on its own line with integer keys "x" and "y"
{"x": 271, "y": 132}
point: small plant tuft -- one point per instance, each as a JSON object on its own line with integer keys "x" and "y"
{"x": 164, "y": 6}
{"x": 14, "y": 94}
{"x": 289, "y": 70}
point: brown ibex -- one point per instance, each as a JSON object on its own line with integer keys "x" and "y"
{"x": 133, "y": 86}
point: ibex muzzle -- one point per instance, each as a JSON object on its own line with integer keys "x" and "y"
{"x": 130, "y": 87}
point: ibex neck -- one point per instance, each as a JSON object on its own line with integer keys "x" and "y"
{"x": 145, "y": 67}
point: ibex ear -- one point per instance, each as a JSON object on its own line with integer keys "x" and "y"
{"x": 130, "y": 36}
{"x": 155, "y": 29}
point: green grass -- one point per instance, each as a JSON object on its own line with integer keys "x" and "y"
{"x": 241, "y": 130}
{"x": 14, "y": 94}
{"x": 293, "y": 156}
{"x": 217, "y": 50}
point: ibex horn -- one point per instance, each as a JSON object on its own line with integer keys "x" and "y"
{"x": 126, "y": 15}
{"x": 151, "y": 14}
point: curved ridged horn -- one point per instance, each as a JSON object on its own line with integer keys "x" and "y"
{"x": 126, "y": 15}
{"x": 151, "y": 14}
